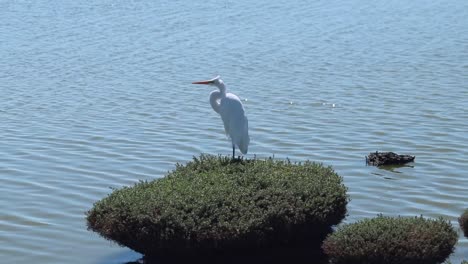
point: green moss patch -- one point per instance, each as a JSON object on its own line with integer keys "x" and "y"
{"x": 214, "y": 203}
{"x": 392, "y": 240}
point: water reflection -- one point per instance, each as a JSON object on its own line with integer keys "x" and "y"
{"x": 393, "y": 168}
{"x": 295, "y": 256}
{"x": 124, "y": 257}
{"x": 306, "y": 254}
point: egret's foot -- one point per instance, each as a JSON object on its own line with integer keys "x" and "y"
{"x": 237, "y": 160}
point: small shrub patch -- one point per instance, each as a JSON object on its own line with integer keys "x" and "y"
{"x": 216, "y": 204}
{"x": 463, "y": 220}
{"x": 392, "y": 240}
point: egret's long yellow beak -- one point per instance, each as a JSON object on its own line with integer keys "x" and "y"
{"x": 203, "y": 82}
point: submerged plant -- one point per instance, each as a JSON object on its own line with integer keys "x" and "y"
{"x": 463, "y": 221}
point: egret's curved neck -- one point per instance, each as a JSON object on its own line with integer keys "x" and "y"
{"x": 221, "y": 87}
{"x": 216, "y": 96}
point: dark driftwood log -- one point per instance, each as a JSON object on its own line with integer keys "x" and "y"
{"x": 387, "y": 158}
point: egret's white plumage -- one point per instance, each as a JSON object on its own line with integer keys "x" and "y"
{"x": 232, "y": 112}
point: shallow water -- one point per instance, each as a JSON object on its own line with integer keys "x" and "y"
{"x": 98, "y": 96}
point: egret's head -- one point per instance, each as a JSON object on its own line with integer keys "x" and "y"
{"x": 216, "y": 81}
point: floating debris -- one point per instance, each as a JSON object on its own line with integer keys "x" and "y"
{"x": 387, "y": 158}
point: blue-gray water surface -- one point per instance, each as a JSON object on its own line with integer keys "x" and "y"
{"x": 97, "y": 95}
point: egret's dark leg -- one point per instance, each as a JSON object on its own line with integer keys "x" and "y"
{"x": 233, "y": 151}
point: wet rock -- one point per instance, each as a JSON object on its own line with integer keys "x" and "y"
{"x": 387, "y": 158}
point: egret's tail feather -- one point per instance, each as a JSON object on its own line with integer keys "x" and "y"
{"x": 244, "y": 145}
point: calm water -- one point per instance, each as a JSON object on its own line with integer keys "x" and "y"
{"x": 98, "y": 95}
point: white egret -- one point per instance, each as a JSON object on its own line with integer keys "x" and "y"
{"x": 231, "y": 110}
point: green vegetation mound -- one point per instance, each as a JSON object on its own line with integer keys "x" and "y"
{"x": 463, "y": 220}
{"x": 392, "y": 240}
{"x": 214, "y": 203}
